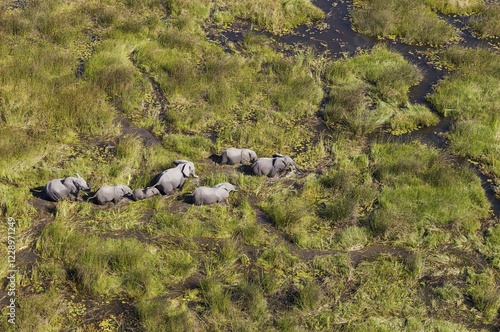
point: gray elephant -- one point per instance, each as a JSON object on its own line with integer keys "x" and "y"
{"x": 145, "y": 193}
{"x": 113, "y": 194}
{"x": 211, "y": 195}
{"x": 273, "y": 166}
{"x": 235, "y": 156}
{"x": 69, "y": 187}
{"x": 173, "y": 178}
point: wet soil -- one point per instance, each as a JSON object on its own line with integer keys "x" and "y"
{"x": 145, "y": 135}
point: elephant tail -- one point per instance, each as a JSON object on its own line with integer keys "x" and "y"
{"x": 90, "y": 198}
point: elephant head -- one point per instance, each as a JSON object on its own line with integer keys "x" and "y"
{"x": 122, "y": 190}
{"x": 79, "y": 183}
{"x": 248, "y": 156}
{"x": 226, "y": 186}
{"x": 187, "y": 168}
{"x": 289, "y": 162}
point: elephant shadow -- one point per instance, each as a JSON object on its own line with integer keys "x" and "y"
{"x": 187, "y": 198}
{"x": 245, "y": 169}
{"x": 215, "y": 158}
{"x": 89, "y": 197}
{"x": 38, "y": 192}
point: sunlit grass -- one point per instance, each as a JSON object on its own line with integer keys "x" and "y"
{"x": 370, "y": 91}
{"x": 422, "y": 190}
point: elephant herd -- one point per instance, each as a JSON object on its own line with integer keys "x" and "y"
{"x": 171, "y": 179}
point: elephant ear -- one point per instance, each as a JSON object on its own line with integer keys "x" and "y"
{"x": 278, "y": 165}
{"x": 180, "y": 161}
{"x": 246, "y": 156}
{"x": 186, "y": 169}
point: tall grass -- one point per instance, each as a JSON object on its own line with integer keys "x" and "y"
{"x": 102, "y": 267}
{"x": 412, "y": 21}
{"x": 455, "y": 6}
{"x": 69, "y": 69}
{"x": 485, "y": 293}
{"x": 423, "y": 191}
{"x": 486, "y": 22}
{"x": 468, "y": 95}
{"x": 277, "y": 17}
{"x": 370, "y": 91}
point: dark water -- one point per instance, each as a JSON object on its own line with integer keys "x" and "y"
{"x": 335, "y": 37}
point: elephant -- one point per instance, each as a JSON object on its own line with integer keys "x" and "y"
{"x": 211, "y": 195}
{"x": 111, "y": 194}
{"x": 273, "y": 166}
{"x": 69, "y": 187}
{"x": 233, "y": 156}
{"x": 145, "y": 193}
{"x": 169, "y": 180}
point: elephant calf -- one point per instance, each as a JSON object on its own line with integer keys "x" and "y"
{"x": 145, "y": 193}
{"x": 65, "y": 188}
{"x": 111, "y": 194}
{"x": 211, "y": 195}
{"x": 273, "y": 166}
{"x": 236, "y": 156}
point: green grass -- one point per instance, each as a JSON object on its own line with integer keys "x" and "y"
{"x": 411, "y": 21}
{"x": 485, "y": 23}
{"x": 422, "y": 192}
{"x": 370, "y": 91}
{"x": 277, "y": 17}
{"x": 102, "y": 267}
{"x": 468, "y": 96}
{"x": 455, "y": 6}
{"x": 485, "y": 293}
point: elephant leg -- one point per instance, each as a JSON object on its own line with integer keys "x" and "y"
{"x": 224, "y": 159}
{"x": 273, "y": 172}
